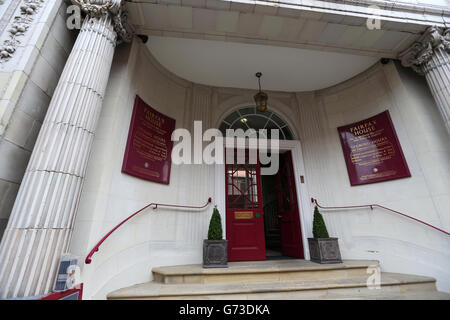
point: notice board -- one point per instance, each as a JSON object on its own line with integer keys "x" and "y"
{"x": 149, "y": 144}
{"x": 372, "y": 151}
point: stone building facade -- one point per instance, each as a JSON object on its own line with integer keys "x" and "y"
{"x": 67, "y": 98}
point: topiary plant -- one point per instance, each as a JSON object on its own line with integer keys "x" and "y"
{"x": 215, "y": 226}
{"x": 319, "y": 227}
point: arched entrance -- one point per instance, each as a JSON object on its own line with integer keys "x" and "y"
{"x": 263, "y": 213}
{"x": 250, "y": 118}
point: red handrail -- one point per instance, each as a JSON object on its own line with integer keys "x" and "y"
{"x": 371, "y": 206}
{"x": 96, "y": 247}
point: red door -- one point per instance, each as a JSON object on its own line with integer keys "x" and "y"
{"x": 245, "y": 221}
{"x": 288, "y": 215}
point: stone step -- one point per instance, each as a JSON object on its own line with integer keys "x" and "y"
{"x": 427, "y": 295}
{"x": 393, "y": 286}
{"x": 263, "y": 271}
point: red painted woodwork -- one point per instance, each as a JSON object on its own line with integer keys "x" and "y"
{"x": 75, "y": 293}
{"x": 288, "y": 214}
{"x": 244, "y": 213}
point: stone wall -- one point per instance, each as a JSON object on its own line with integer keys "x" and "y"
{"x": 401, "y": 245}
{"x": 27, "y": 81}
{"x": 169, "y": 237}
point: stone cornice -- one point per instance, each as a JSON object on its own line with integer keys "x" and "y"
{"x": 422, "y": 14}
{"x": 423, "y": 49}
{"x": 402, "y": 6}
{"x": 115, "y": 9}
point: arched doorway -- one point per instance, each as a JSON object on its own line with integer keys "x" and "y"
{"x": 262, "y": 212}
{"x": 250, "y": 118}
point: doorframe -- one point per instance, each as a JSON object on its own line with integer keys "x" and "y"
{"x": 303, "y": 198}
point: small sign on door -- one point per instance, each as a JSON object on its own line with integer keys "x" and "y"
{"x": 243, "y": 214}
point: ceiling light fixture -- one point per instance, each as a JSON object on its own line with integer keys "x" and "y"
{"x": 261, "y": 97}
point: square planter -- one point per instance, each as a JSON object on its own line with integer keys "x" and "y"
{"x": 215, "y": 253}
{"x": 324, "y": 250}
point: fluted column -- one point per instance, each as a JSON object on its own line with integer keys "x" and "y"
{"x": 41, "y": 221}
{"x": 430, "y": 56}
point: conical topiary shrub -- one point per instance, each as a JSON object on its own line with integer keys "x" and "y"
{"x": 322, "y": 248}
{"x": 319, "y": 227}
{"x": 215, "y": 248}
{"x": 215, "y": 226}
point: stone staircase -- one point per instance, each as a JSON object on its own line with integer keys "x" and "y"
{"x": 280, "y": 279}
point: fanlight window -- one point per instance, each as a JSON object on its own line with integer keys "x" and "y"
{"x": 250, "y": 118}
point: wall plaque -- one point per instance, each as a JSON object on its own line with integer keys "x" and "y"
{"x": 243, "y": 214}
{"x": 372, "y": 151}
{"x": 149, "y": 145}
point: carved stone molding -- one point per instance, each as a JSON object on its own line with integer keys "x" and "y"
{"x": 422, "y": 50}
{"x": 430, "y": 56}
{"x": 114, "y": 8}
{"x": 18, "y": 27}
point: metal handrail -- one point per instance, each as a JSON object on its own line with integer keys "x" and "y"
{"x": 371, "y": 206}
{"x": 88, "y": 259}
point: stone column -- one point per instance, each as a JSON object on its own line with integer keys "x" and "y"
{"x": 430, "y": 56}
{"x": 41, "y": 221}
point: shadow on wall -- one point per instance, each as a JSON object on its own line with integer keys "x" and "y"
{"x": 127, "y": 272}
{"x": 403, "y": 257}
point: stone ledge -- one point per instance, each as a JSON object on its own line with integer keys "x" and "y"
{"x": 263, "y": 267}
{"x": 392, "y": 283}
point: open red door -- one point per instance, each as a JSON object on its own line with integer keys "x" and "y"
{"x": 288, "y": 214}
{"x": 244, "y": 220}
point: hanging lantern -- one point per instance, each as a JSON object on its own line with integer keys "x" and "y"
{"x": 261, "y": 97}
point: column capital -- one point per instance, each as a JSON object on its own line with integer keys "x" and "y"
{"x": 115, "y": 9}
{"x": 422, "y": 50}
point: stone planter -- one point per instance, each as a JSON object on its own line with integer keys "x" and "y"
{"x": 324, "y": 250}
{"x": 215, "y": 253}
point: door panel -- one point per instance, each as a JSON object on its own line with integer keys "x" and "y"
{"x": 288, "y": 214}
{"x": 245, "y": 221}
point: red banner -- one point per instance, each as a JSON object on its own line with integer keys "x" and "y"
{"x": 149, "y": 146}
{"x": 75, "y": 293}
{"x": 372, "y": 151}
